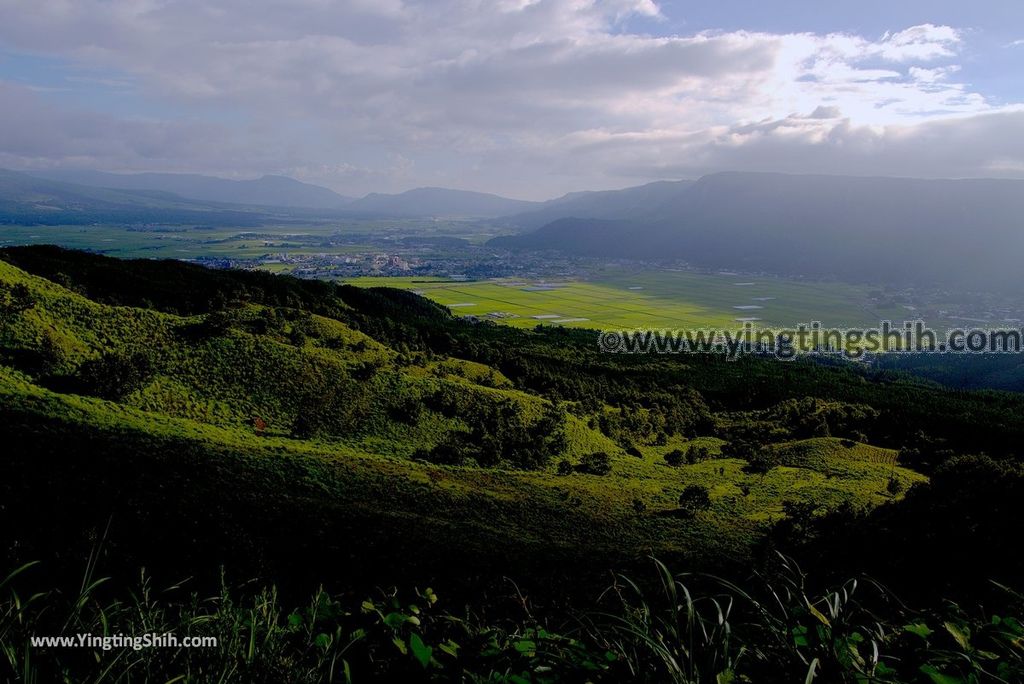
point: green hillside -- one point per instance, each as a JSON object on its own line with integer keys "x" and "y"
{"x": 270, "y": 385}
{"x": 194, "y": 422}
{"x": 260, "y": 388}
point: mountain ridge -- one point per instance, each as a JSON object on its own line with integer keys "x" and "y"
{"x": 440, "y": 202}
{"x": 268, "y": 190}
{"x": 847, "y": 227}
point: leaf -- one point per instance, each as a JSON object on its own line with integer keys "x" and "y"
{"x": 394, "y": 620}
{"x": 818, "y": 614}
{"x": 962, "y": 635}
{"x": 939, "y": 678}
{"x": 400, "y": 645}
{"x": 526, "y": 647}
{"x": 294, "y": 620}
{"x": 347, "y": 671}
{"x": 812, "y": 671}
{"x": 420, "y": 650}
{"x": 920, "y": 629}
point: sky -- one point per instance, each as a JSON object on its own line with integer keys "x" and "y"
{"x": 524, "y": 98}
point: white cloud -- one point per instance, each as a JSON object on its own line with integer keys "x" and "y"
{"x": 922, "y": 75}
{"x": 508, "y": 95}
{"x": 924, "y": 42}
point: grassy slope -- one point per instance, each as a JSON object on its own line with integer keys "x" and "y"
{"x": 186, "y": 437}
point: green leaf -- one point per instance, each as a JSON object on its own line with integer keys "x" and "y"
{"x": 962, "y": 635}
{"x": 449, "y": 647}
{"x": 939, "y": 678}
{"x": 526, "y": 647}
{"x": 395, "y": 620}
{"x": 920, "y": 629}
{"x": 400, "y": 645}
{"x": 347, "y": 671}
{"x": 420, "y": 650}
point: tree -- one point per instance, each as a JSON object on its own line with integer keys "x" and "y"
{"x": 697, "y": 454}
{"x": 597, "y": 463}
{"x": 762, "y": 461}
{"x": 15, "y": 300}
{"x": 694, "y": 499}
{"x": 115, "y": 375}
{"x": 675, "y": 458}
{"x": 564, "y": 467}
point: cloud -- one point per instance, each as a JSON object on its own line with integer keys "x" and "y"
{"x": 516, "y": 96}
{"x": 35, "y": 135}
{"x": 924, "y": 42}
{"x": 930, "y": 76}
{"x": 823, "y": 112}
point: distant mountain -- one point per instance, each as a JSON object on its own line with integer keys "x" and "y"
{"x": 440, "y": 202}
{"x": 636, "y": 202}
{"x": 273, "y": 191}
{"x": 953, "y": 232}
{"x": 27, "y": 199}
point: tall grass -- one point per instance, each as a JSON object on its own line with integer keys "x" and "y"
{"x": 683, "y": 628}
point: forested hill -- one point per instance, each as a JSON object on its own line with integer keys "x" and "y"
{"x": 309, "y": 432}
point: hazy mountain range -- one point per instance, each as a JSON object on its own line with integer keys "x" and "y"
{"x": 274, "y": 191}
{"x": 440, "y": 202}
{"x": 29, "y": 200}
{"x": 630, "y": 203}
{"x": 277, "y": 192}
{"x": 957, "y": 232}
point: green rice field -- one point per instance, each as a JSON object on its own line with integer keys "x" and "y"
{"x": 652, "y": 299}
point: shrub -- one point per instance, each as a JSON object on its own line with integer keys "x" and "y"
{"x": 674, "y": 458}
{"x": 695, "y": 498}
{"x": 762, "y": 461}
{"x": 115, "y": 375}
{"x": 597, "y": 463}
{"x": 697, "y": 454}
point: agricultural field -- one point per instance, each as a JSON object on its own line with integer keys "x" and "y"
{"x": 297, "y": 238}
{"x": 170, "y": 242}
{"x": 652, "y": 299}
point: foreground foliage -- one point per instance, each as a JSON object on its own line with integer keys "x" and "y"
{"x": 688, "y": 629}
